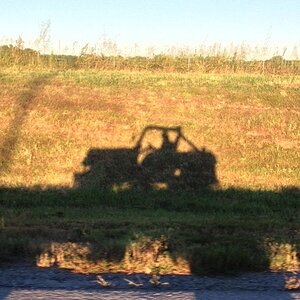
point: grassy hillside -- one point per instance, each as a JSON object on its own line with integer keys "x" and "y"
{"x": 77, "y": 188}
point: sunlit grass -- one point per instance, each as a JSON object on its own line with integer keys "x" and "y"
{"x": 250, "y": 123}
{"x": 247, "y": 123}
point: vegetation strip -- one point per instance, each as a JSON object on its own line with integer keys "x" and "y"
{"x": 150, "y": 172}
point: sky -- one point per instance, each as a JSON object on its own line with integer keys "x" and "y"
{"x": 136, "y": 25}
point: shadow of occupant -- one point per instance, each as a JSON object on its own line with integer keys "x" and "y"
{"x": 149, "y": 167}
{"x": 193, "y": 170}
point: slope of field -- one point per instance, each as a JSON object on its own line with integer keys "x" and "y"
{"x": 57, "y": 198}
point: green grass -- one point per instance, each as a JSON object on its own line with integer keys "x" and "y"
{"x": 225, "y": 231}
{"x": 249, "y": 125}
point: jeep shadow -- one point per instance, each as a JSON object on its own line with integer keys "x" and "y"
{"x": 148, "y": 166}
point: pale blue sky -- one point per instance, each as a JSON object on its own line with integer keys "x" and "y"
{"x": 157, "y": 23}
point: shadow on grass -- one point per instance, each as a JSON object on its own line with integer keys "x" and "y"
{"x": 150, "y": 167}
{"x": 152, "y": 209}
{"x": 24, "y": 104}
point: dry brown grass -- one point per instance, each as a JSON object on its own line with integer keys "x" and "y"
{"x": 256, "y": 144}
{"x": 143, "y": 255}
{"x": 50, "y": 122}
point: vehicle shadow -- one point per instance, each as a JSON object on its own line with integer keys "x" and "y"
{"x": 164, "y": 178}
{"x": 148, "y": 167}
